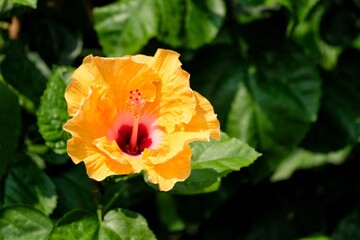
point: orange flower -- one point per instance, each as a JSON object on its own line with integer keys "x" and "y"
{"x": 136, "y": 113}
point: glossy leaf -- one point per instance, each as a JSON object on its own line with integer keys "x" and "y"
{"x": 77, "y": 224}
{"x": 125, "y": 224}
{"x": 10, "y": 126}
{"x": 124, "y": 27}
{"x": 280, "y": 97}
{"x": 52, "y": 113}
{"x": 224, "y": 156}
{"x": 117, "y": 224}
{"x": 190, "y": 24}
{"x": 28, "y": 185}
{"x": 24, "y": 223}
{"x": 213, "y": 160}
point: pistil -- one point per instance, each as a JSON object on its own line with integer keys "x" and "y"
{"x": 136, "y": 106}
{"x": 133, "y": 147}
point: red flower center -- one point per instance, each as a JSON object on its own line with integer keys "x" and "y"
{"x": 142, "y": 141}
{"x": 133, "y": 139}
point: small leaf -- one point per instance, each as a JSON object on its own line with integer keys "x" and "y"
{"x": 124, "y": 27}
{"x": 52, "y": 113}
{"x": 213, "y": 160}
{"x": 27, "y": 184}
{"x": 10, "y": 124}
{"x": 224, "y": 156}
{"x": 22, "y": 223}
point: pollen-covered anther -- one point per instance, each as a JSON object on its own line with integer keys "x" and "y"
{"x": 136, "y": 103}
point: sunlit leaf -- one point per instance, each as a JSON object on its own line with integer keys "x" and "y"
{"x": 52, "y": 113}
{"x": 125, "y": 224}
{"x": 224, "y": 156}
{"x": 117, "y": 224}
{"x": 213, "y": 160}
{"x": 30, "y": 3}
{"x": 28, "y": 185}
{"x": 304, "y": 159}
{"x": 77, "y": 224}
{"x": 22, "y": 223}
{"x": 10, "y": 123}
{"x": 124, "y": 27}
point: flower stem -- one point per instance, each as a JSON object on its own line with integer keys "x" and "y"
{"x": 99, "y": 213}
{"x": 115, "y": 196}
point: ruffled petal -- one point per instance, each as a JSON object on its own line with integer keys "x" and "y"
{"x": 176, "y": 169}
{"x": 201, "y": 127}
{"x": 124, "y": 75}
{"x": 119, "y": 162}
{"x": 82, "y": 79}
{"x": 92, "y": 121}
{"x": 205, "y": 120}
{"x": 175, "y": 102}
{"x": 95, "y": 162}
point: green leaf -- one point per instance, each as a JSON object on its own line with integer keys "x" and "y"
{"x": 74, "y": 190}
{"x": 190, "y": 24}
{"x": 58, "y": 42}
{"x": 304, "y": 159}
{"x": 338, "y": 25}
{"x": 27, "y": 184}
{"x": 22, "y": 74}
{"x": 306, "y": 32}
{"x": 224, "y": 70}
{"x": 339, "y": 114}
{"x": 124, "y": 27}
{"x": 77, "y": 224}
{"x": 125, "y": 224}
{"x": 22, "y": 223}
{"x": 213, "y": 160}
{"x": 10, "y": 124}
{"x": 52, "y": 113}
{"x": 117, "y": 224}
{"x": 168, "y": 213}
{"x": 224, "y": 156}
{"x": 30, "y": 3}
{"x": 349, "y": 227}
{"x": 316, "y": 237}
{"x": 273, "y": 109}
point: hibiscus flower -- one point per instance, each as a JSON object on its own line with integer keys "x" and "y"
{"x": 136, "y": 113}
